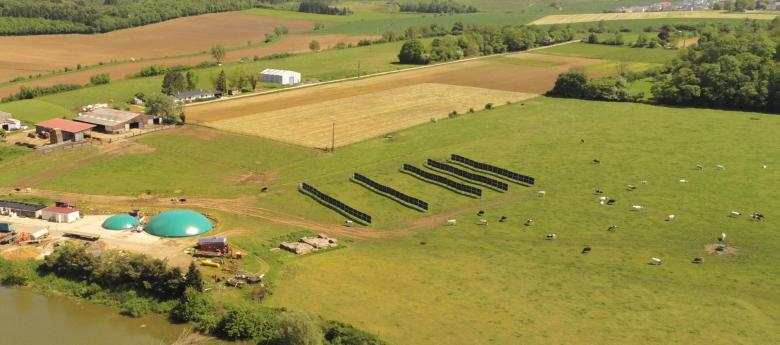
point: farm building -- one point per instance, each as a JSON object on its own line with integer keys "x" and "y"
{"x": 61, "y": 130}
{"x": 278, "y": 76}
{"x": 178, "y": 223}
{"x": 195, "y": 96}
{"x": 8, "y": 123}
{"x": 111, "y": 121}
{"x": 121, "y": 222}
{"x": 61, "y": 214}
{"x": 213, "y": 244}
{"x": 20, "y": 209}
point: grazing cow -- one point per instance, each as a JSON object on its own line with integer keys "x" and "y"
{"x": 602, "y": 198}
{"x": 655, "y": 261}
{"x": 631, "y": 187}
{"x": 611, "y": 201}
{"x": 698, "y": 260}
{"x": 757, "y": 216}
{"x": 596, "y": 161}
{"x": 452, "y": 222}
{"x": 683, "y": 181}
{"x": 670, "y": 218}
{"x": 699, "y": 167}
{"x": 551, "y": 236}
{"x": 722, "y": 237}
{"x": 636, "y": 207}
{"x": 541, "y": 193}
{"x": 721, "y": 167}
{"x": 529, "y": 222}
{"x": 586, "y": 250}
{"x": 481, "y": 213}
{"x": 612, "y": 228}
{"x": 643, "y": 182}
{"x": 598, "y": 191}
{"x": 502, "y": 219}
{"x": 764, "y": 166}
{"x": 483, "y": 222}
{"x": 349, "y": 222}
{"x": 735, "y": 214}
{"x": 582, "y": 141}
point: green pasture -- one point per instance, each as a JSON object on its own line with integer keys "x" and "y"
{"x": 615, "y": 53}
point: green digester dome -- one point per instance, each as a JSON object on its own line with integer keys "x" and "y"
{"x": 121, "y": 222}
{"x": 178, "y": 223}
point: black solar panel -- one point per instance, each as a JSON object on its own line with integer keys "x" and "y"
{"x": 338, "y": 205}
{"x": 442, "y": 180}
{"x": 493, "y": 169}
{"x": 412, "y": 201}
{"x": 468, "y": 175}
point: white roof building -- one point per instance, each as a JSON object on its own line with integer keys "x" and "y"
{"x": 278, "y": 76}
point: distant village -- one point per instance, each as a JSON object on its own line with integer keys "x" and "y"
{"x": 691, "y": 5}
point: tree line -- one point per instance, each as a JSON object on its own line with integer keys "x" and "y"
{"x": 181, "y": 295}
{"x": 474, "y": 40}
{"x": 322, "y": 7}
{"x": 732, "y": 67}
{"x": 438, "y": 6}
{"x": 77, "y": 16}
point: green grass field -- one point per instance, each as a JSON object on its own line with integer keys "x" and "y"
{"x": 614, "y": 53}
{"x": 503, "y": 283}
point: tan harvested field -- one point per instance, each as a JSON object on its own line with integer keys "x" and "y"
{"x": 594, "y": 17}
{"x": 24, "y": 55}
{"x": 276, "y": 115}
{"x": 293, "y": 43}
{"x": 358, "y": 118}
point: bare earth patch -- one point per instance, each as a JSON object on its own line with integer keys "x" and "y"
{"x": 729, "y": 251}
{"x": 594, "y": 17}
{"x": 366, "y": 116}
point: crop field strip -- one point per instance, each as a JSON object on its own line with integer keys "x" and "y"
{"x": 595, "y": 17}
{"x": 334, "y": 203}
{"x": 442, "y": 181}
{"x": 362, "y": 117}
{"x": 467, "y": 176}
{"x": 390, "y": 192}
{"x": 504, "y": 173}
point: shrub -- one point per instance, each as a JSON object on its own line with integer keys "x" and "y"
{"x": 413, "y": 52}
{"x": 100, "y": 79}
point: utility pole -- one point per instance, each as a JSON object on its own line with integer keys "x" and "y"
{"x": 358, "y": 69}
{"x": 333, "y": 139}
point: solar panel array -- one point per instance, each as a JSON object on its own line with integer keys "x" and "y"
{"x": 468, "y": 175}
{"x": 357, "y": 215}
{"x": 391, "y": 192}
{"x": 443, "y": 180}
{"x": 493, "y": 169}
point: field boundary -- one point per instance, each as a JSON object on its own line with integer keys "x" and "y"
{"x": 372, "y": 75}
{"x": 595, "y": 17}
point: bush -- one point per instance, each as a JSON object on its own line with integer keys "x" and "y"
{"x": 297, "y": 328}
{"x": 100, "y": 79}
{"x": 489, "y": 106}
{"x": 345, "y": 334}
{"x": 570, "y": 84}
{"x": 243, "y": 323}
{"x": 413, "y": 52}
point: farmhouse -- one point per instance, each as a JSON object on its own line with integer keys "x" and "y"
{"x": 111, "y": 121}
{"x": 195, "y": 96}
{"x": 20, "y": 209}
{"x": 61, "y": 130}
{"x": 279, "y": 76}
{"x": 8, "y": 123}
{"x": 61, "y": 214}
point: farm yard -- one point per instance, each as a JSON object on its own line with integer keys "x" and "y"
{"x": 595, "y": 17}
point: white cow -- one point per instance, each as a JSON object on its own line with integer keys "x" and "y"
{"x": 541, "y": 193}
{"x": 636, "y": 207}
{"x": 721, "y": 167}
{"x": 483, "y": 222}
{"x": 683, "y": 181}
{"x": 529, "y": 222}
{"x": 722, "y": 237}
{"x": 670, "y": 218}
{"x": 735, "y": 214}
{"x": 551, "y": 236}
{"x": 655, "y": 261}
{"x": 452, "y": 222}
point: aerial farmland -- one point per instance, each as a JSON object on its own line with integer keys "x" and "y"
{"x": 364, "y": 172}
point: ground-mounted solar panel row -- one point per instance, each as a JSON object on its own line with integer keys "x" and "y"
{"x": 334, "y": 203}
{"x": 471, "y": 177}
{"x": 513, "y": 176}
{"x": 443, "y": 181}
{"x": 392, "y": 193}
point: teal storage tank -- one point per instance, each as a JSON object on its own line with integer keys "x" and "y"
{"x": 178, "y": 223}
{"x": 121, "y": 222}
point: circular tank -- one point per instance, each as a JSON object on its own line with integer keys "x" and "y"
{"x": 121, "y": 222}
{"x": 178, "y": 223}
